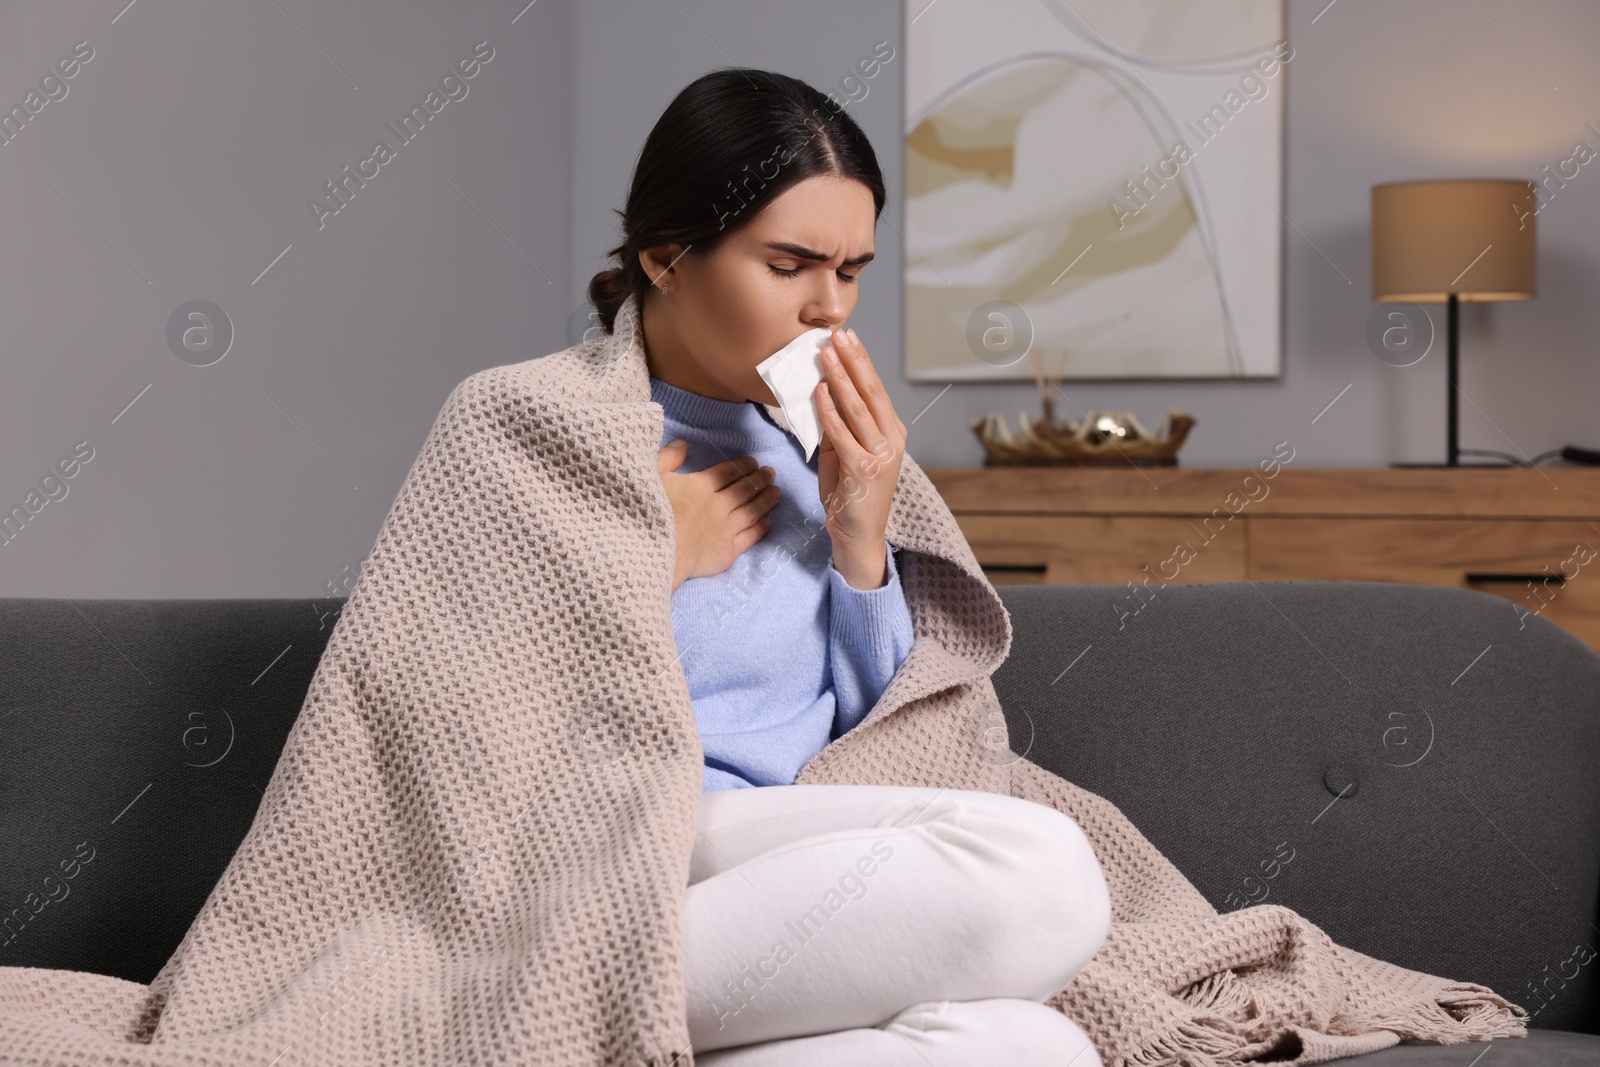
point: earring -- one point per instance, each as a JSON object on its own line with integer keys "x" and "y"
{"x": 664, "y": 288}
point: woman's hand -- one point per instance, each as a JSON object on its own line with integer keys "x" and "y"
{"x": 859, "y": 461}
{"x": 719, "y": 512}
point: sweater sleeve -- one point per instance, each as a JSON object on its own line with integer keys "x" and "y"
{"x": 869, "y": 636}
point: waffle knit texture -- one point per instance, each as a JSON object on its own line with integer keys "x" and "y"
{"x": 782, "y": 655}
{"x": 475, "y": 845}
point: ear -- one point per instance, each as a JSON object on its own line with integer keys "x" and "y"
{"x": 657, "y": 262}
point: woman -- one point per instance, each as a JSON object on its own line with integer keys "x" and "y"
{"x": 749, "y": 221}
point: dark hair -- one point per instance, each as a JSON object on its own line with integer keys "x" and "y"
{"x": 727, "y": 145}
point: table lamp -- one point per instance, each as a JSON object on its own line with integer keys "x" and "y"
{"x": 1451, "y": 240}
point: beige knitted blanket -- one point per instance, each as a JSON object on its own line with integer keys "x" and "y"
{"x": 475, "y": 844}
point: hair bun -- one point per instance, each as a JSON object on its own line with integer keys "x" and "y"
{"x": 607, "y": 291}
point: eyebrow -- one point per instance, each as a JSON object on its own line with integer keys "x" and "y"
{"x": 802, "y": 252}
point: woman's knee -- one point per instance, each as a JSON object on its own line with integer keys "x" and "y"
{"x": 1054, "y": 902}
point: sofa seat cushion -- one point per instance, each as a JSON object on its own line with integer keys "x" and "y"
{"x": 1541, "y": 1048}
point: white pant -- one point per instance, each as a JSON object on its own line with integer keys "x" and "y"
{"x": 887, "y": 925}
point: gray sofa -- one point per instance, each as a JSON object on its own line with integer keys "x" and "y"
{"x": 1414, "y": 769}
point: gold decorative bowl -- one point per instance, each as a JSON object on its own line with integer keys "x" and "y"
{"x": 1098, "y": 439}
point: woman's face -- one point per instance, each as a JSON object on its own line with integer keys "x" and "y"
{"x": 793, "y": 267}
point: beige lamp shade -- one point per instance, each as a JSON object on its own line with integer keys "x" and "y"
{"x": 1470, "y": 236}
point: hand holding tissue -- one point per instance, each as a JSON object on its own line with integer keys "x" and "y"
{"x": 792, "y": 373}
{"x": 857, "y": 477}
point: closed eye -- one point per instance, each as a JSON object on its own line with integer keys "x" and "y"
{"x": 848, "y": 279}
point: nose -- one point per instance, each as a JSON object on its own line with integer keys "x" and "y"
{"x": 831, "y": 307}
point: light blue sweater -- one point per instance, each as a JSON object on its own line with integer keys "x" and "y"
{"x": 781, "y": 653}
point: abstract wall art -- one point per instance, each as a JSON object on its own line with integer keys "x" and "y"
{"x": 1095, "y": 185}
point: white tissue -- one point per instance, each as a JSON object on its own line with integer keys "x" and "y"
{"x": 792, "y": 373}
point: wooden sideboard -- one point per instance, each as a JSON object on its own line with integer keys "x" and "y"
{"x": 1529, "y": 535}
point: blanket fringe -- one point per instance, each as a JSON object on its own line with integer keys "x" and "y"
{"x": 1463, "y": 1011}
{"x": 1458, "y": 1012}
{"x": 1200, "y": 1042}
{"x": 1482, "y": 1010}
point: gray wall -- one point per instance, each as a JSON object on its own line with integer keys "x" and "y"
{"x": 178, "y": 166}
{"x": 180, "y": 163}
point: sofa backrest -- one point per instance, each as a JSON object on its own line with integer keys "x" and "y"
{"x": 1224, "y": 720}
{"x": 1411, "y": 768}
